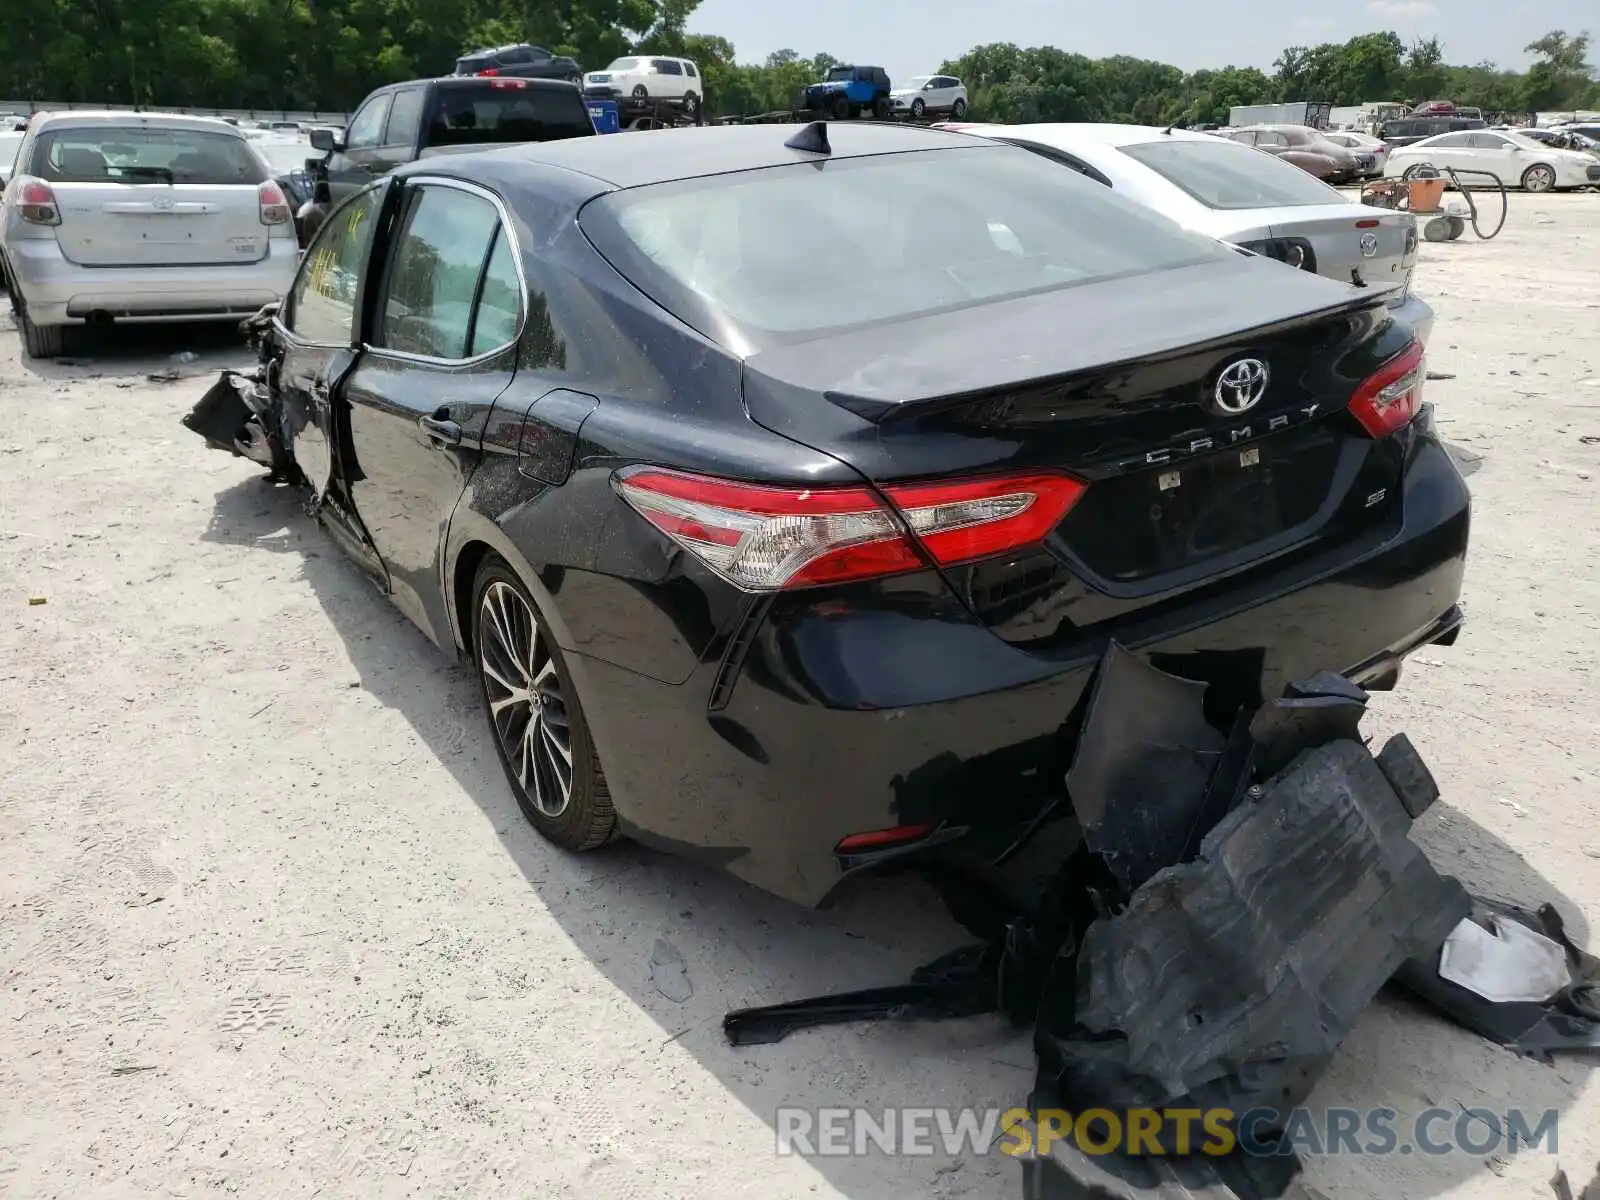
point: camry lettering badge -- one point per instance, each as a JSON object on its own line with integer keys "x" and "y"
{"x": 1240, "y": 387}
{"x": 1369, "y": 245}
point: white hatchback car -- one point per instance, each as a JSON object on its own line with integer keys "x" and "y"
{"x": 1241, "y": 195}
{"x": 140, "y": 217}
{"x": 1516, "y": 160}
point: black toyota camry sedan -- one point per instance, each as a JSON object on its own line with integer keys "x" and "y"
{"x": 785, "y": 521}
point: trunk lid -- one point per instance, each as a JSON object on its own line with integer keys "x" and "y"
{"x": 160, "y": 225}
{"x": 1115, "y": 383}
{"x": 1342, "y": 235}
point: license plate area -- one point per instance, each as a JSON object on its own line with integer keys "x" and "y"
{"x": 1181, "y": 515}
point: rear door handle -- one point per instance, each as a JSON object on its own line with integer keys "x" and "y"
{"x": 440, "y": 431}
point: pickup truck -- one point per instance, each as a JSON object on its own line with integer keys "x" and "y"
{"x": 403, "y": 122}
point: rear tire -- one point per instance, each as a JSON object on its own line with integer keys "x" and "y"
{"x": 881, "y": 108}
{"x": 839, "y": 107}
{"x": 958, "y": 109}
{"x": 691, "y": 104}
{"x": 534, "y": 716}
{"x": 40, "y": 341}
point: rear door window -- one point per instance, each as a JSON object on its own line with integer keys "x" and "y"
{"x": 405, "y": 117}
{"x": 507, "y": 110}
{"x": 145, "y": 154}
{"x": 435, "y": 271}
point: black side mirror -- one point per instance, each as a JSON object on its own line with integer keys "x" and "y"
{"x": 325, "y": 140}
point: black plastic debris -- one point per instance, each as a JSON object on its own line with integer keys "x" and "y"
{"x": 1236, "y": 890}
{"x": 1144, "y": 758}
{"x": 236, "y": 415}
{"x": 1569, "y": 1020}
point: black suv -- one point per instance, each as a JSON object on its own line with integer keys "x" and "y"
{"x": 522, "y": 62}
{"x": 1405, "y": 130}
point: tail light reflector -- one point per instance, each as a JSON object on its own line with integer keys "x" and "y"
{"x": 274, "y": 204}
{"x": 763, "y": 538}
{"x": 1388, "y": 399}
{"x": 36, "y": 202}
{"x": 879, "y": 839}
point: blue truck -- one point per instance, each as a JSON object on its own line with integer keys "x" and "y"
{"x": 849, "y": 91}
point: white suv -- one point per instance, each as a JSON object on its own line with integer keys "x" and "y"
{"x": 140, "y": 217}
{"x": 637, "y": 83}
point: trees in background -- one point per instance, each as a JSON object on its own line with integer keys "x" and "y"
{"x": 327, "y": 54}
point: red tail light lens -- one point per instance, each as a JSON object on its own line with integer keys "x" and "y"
{"x": 489, "y": 72}
{"x": 508, "y": 83}
{"x": 880, "y": 839}
{"x": 36, "y": 202}
{"x": 274, "y": 204}
{"x": 762, "y": 538}
{"x": 1388, "y": 399}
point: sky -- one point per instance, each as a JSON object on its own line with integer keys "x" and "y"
{"x": 909, "y": 38}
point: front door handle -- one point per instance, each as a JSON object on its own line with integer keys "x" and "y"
{"x": 440, "y": 431}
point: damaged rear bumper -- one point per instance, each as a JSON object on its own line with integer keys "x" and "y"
{"x": 817, "y": 720}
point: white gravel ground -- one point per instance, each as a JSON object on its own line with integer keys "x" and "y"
{"x": 270, "y": 924}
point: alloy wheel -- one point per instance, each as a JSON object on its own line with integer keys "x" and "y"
{"x": 526, "y": 703}
{"x": 1539, "y": 179}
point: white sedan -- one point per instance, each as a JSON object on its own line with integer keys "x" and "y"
{"x": 1516, "y": 160}
{"x": 1238, "y": 194}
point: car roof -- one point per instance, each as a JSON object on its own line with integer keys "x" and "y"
{"x": 477, "y": 81}
{"x": 80, "y": 119}
{"x": 1064, "y": 135}
{"x": 661, "y": 156}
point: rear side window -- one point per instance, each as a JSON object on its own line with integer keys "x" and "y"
{"x": 516, "y": 54}
{"x": 507, "y": 110}
{"x": 1227, "y": 175}
{"x": 688, "y": 69}
{"x": 499, "y": 301}
{"x": 786, "y": 252}
{"x": 665, "y": 66}
{"x": 435, "y": 272}
{"x": 145, "y": 154}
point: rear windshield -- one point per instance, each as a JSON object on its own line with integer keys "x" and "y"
{"x": 142, "y": 154}
{"x": 472, "y": 64}
{"x": 780, "y": 254}
{"x": 507, "y": 110}
{"x": 1227, "y": 175}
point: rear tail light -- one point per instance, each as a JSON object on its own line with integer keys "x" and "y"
{"x": 1296, "y": 252}
{"x": 762, "y": 538}
{"x": 1388, "y": 399}
{"x": 274, "y": 204}
{"x": 36, "y": 203}
{"x": 489, "y": 72}
{"x": 508, "y": 83}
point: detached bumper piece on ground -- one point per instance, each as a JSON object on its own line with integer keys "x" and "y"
{"x": 1234, "y": 903}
